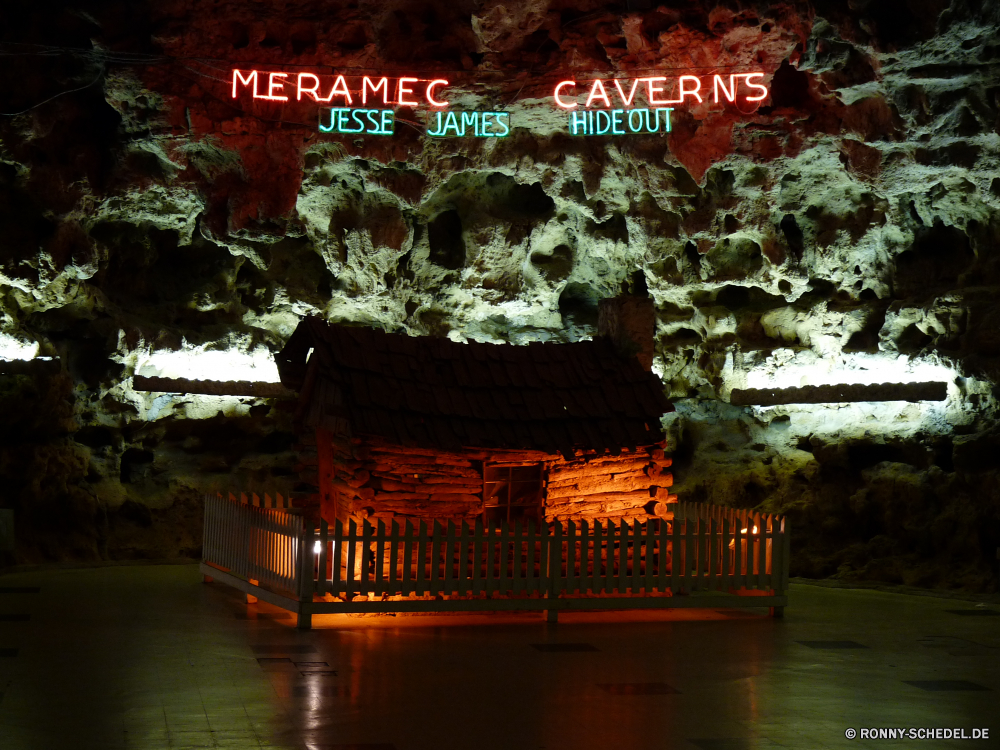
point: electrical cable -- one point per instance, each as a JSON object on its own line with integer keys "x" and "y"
{"x": 144, "y": 59}
{"x": 61, "y": 93}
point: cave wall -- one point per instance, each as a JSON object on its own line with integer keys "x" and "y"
{"x": 844, "y": 230}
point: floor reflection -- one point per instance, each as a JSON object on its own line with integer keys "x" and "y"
{"x": 148, "y": 658}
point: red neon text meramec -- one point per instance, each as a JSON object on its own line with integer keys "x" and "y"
{"x": 278, "y": 86}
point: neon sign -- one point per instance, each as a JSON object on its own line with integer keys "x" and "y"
{"x": 347, "y": 121}
{"x": 619, "y": 121}
{"x": 601, "y": 106}
{"x": 589, "y": 120}
{"x": 655, "y": 89}
{"x": 281, "y": 87}
{"x": 483, "y": 124}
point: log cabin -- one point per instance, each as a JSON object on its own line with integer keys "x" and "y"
{"x": 433, "y": 429}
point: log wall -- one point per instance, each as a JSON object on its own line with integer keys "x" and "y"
{"x": 368, "y": 479}
{"x": 634, "y": 485}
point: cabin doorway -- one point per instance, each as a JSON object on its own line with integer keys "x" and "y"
{"x": 512, "y": 493}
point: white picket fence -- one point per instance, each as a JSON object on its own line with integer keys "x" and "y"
{"x": 740, "y": 557}
{"x": 253, "y": 537}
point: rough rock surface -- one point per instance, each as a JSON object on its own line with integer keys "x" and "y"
{"x": 845, "y": 231}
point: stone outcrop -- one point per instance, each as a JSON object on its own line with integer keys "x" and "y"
{"x": 844, "y": 231}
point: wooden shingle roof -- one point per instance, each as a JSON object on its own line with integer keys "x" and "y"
{"x": 434, "y": 392}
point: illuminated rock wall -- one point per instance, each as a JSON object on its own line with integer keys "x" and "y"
{"x": 842, "y": 231}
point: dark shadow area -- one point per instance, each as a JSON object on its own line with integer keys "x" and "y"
{"x": 444, "y": 235}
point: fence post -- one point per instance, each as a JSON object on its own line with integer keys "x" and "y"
{"x": 782, "y": 574}
{"x": 321, "y": 565}
{"x": 553, "y": 565}
{"x": 207, "y": 532}
{"x": 676, "y": 558}
{"x": 306, "y": 583}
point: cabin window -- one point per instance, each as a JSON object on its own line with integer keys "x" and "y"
{"x": 512, "y": 493}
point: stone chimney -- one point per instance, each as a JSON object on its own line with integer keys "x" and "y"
{"x": 629, "y": 320}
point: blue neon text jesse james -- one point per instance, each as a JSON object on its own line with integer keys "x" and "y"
{"x": 483, "y": 124}
{"x": 367, "y": 121}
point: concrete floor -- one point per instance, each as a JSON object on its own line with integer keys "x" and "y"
{"x": 149, "y": 657}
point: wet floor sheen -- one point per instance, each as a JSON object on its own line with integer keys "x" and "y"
{"x": 149, "y": 657}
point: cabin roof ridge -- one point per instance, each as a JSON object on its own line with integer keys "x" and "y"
{"x": 543, "y": 396}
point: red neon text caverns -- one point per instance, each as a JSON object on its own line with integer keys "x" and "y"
{"x": 660, "y": 90}
{"x": 277, "y": 86}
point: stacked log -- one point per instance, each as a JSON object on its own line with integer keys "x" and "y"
{"x": 632, "y": 486}
{"x": 383, "y": 481}
{"x": 370, "y": 480}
